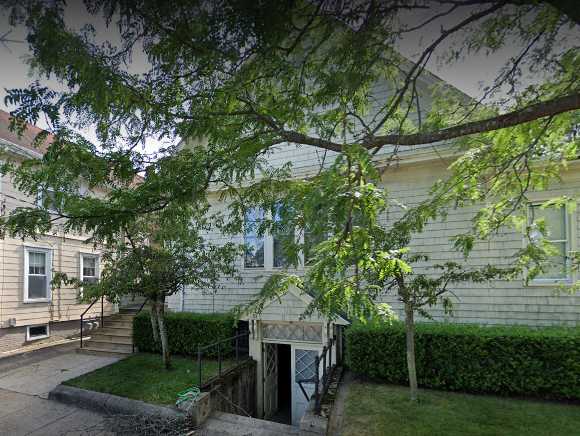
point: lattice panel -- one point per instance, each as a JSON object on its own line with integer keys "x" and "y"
{"x": 305, "y": 364}
{"x": 293, "y": 332}
{"x": 271, "y": 359}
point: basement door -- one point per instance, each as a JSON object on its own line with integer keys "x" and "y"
{"x": 303, "y": 368}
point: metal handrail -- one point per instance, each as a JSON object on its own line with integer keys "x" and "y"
{"x": 201, "y": 349}
{"x": 102, "y": 297}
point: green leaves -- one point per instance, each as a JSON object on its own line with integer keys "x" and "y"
{"x": 185, "y": 332}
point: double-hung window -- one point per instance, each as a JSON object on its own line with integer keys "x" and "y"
{"x": 37, "y": 271}
{"x": 557, "y": 233}
{"x": 311, "y": 240}
{"x": 281, "y": 238}
{"x": 89, "y": 268}
{"x": 254, "y": 255}
{"x": 47, "y": 199}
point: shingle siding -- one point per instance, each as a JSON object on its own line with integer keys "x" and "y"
{"x": 496, "y": 302}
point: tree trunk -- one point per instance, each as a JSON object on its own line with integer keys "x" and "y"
{"x": 410, "y": 342}
{"x": 160, "y": 307}
{"x": 154, "y": 324}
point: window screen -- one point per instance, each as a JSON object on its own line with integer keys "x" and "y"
{"x": 37, "y": 275}
{"x": 254, "y": 255}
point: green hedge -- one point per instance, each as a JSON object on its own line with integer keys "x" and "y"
{"x": 185, "y": 331}
{"x": 498, "y": 360}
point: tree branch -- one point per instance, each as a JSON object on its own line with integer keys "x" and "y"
{"x": 533, "y": 112}
{"x": 530, "y": 113}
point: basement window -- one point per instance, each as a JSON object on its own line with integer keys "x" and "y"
{"x": 35, "y": 332}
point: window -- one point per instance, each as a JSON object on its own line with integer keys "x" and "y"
{"x": 89, "y": 268}
{"x": 254, "y": 256}
{"x": 47, "y": 199}
{"x": 37, "y": 262}
{"x": 34, "y": 332}
{"x": 311, "y": 240}
{"x": 281, "y": 238}
{"x": 555, "y": 222}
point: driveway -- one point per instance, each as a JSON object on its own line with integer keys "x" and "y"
{"x": 25, "y": 382}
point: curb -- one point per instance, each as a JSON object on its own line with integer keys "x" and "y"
{"x": 110, "y": 404}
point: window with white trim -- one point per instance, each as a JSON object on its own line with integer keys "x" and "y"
{"x": 34, "y": 332}
{"x": 37, "y": 271}
{"x": 47, "y": 199}
{"x": 254, "y": 255}
{"x": 281, "y": 238}
{"x": 311, "y": 240}
{"x": 554, "y": 221}
{"x": 89, "y": 268}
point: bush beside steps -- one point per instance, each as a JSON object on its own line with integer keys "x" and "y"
{"x": 185, "y": 331}
{"x": 543, "y": 363}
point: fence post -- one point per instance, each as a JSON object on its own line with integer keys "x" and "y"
{"x": 237, "y": 349}
{"x": 82, "y": 330}
{"x": 316, "y": 383}
{"x": 199, "y": 364}
{"x": 330, "y": 353}
{"x": 102, "y": 311}
{"x": 220, "y": 359}
{"x": 324, "y": 350}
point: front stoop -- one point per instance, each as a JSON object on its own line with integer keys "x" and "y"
{"x": 227, "y": 424}
{"x": 115, "y": 337}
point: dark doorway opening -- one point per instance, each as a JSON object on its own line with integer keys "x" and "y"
{"x": 284, "y": 413}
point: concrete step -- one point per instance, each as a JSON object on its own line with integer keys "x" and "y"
{"x": 109, "y": 346}
{"x": 122, "y": 332}
{"x": 94, "y": 352}
{"x": 130, "y": 310}
{"x": 124, "y": 317}
{"x": 100, "y": 336}
{"x": 227, "y": 424}
{"x": 114, "y": 324}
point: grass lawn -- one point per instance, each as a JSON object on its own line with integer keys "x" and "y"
{"x": 142, "y": 377}
{"x": 378, "y": 410}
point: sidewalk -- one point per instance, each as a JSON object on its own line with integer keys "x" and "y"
{"x": 25, "y": 382}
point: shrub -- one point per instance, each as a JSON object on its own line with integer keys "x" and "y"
{"x": 185, "y": 331}
{"x": 498, "y": 360}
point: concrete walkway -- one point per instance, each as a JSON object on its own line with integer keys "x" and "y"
{"x": 24, "y": 386}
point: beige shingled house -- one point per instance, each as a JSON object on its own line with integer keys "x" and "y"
{"x": 29, "y": 309}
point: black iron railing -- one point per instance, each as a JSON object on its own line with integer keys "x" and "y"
{"x": 235, "y": 347}
{"x": 102, "y": 298}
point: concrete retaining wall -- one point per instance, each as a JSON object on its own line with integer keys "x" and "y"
{"x": 235, "y": 391}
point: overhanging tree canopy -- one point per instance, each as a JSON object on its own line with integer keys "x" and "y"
{"x": 244, "y": 77}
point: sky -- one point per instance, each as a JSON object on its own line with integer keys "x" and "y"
{"x": 468, "y": 76}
